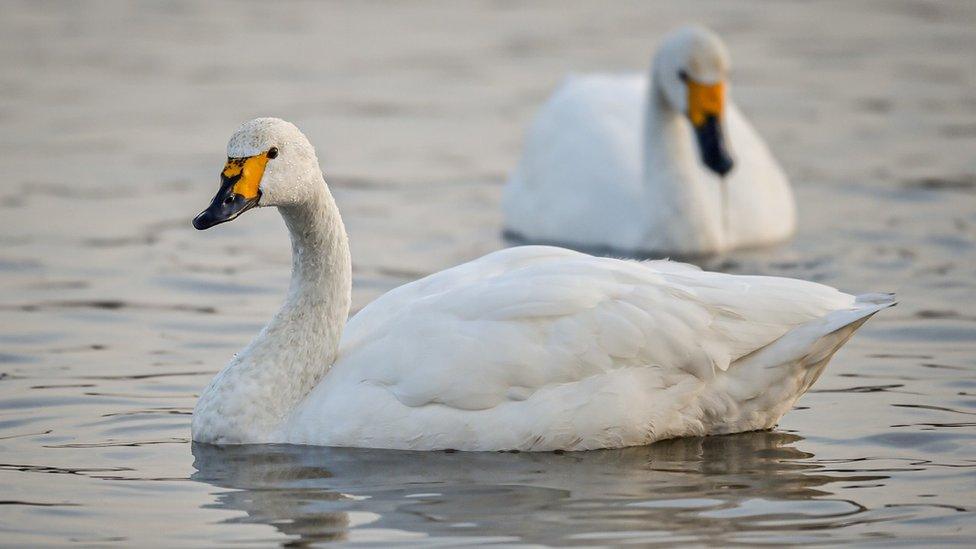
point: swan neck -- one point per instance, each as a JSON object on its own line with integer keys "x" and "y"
{"x": 318, "y": 298}
{"x": 674, "y": 182}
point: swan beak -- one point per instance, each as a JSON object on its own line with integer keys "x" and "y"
{"x": 706, "y": 104}
{"x": 240, "y": 190}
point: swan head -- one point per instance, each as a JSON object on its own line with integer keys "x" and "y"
{"x": 269, "y": 162}
{"x": 691, "y": 69}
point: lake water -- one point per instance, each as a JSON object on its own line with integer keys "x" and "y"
{"x": 114, "y": 312}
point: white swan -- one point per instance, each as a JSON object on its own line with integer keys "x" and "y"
{"x": 529, "y": 348}
{"x": 612, "y": 163}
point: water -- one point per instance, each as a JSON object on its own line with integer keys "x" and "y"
{"x": 114, "y": 313}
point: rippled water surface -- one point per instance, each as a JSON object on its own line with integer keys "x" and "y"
{"x": 114, "y": 313}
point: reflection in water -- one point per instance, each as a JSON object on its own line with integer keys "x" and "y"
{"x": 716, "y": 488}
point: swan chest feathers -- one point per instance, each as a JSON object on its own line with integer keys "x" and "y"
{"x": 540, "y": 348}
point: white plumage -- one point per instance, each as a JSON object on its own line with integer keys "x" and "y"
{"x": 529, "y": 348}
{"x": 611, "y": 162}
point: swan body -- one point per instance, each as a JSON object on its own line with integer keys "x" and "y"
{"x": 612, "y": 162}
{"x": 527, "y": 348}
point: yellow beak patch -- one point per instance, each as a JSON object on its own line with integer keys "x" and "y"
{"x": 704, "y": 100}
{"x": 248, "y": 172}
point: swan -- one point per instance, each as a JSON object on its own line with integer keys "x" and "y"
{"x": 527, "y": 348}
{"x": 612, "y": 162}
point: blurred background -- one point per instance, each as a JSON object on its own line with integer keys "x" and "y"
{"x": 114, "y": 312}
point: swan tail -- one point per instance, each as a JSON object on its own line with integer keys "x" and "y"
{"x": 865, "y": 306}
{"x": 767, "y": 382}
{"x": 838, "y": 327}
{"x": 814, "y": 339}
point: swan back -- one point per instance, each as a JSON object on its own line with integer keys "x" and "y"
{"x": 579, "y": 177}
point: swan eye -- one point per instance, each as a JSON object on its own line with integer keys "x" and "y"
{"x": 273, "y": 152}
{"x": 682, "y": 75}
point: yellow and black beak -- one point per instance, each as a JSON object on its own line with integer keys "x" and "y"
{"x": 240, "y": 190}
{"x": 706, "y": 105}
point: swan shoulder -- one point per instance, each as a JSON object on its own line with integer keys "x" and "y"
{"x": 586, "y": 136}
{"x": 515, "y": 322}
{"x": 589, "y": 128}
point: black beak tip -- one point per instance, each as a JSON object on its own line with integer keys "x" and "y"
{"x": 203, "y": 221}
{"x": 722, "y": 166}
{"x": 711, "y": 143}
{"x": 225, "y": 207}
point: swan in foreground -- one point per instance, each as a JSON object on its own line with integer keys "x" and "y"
{"x": 528, "y": 348}
{"x": 670, "y": 167}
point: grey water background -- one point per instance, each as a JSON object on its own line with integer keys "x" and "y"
{"x": 114, "y": 312}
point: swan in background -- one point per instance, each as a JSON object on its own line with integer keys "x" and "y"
{"x": 612, "y": 163}
{"x": 528, "y": 348}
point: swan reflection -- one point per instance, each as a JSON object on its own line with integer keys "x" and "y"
{"x": 714, "y": 489}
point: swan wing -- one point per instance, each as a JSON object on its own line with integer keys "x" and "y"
{"x": 514, "y": 322}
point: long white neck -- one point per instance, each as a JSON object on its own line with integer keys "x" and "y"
{"x": 675, "y": 183}
{"x": 308, "y": 327}
{"x": 265, "y": 381}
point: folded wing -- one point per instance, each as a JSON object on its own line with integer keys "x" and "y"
{"x": 511, "y": 323}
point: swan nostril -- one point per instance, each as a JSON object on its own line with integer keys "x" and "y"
{"x": 229, "y": 200}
